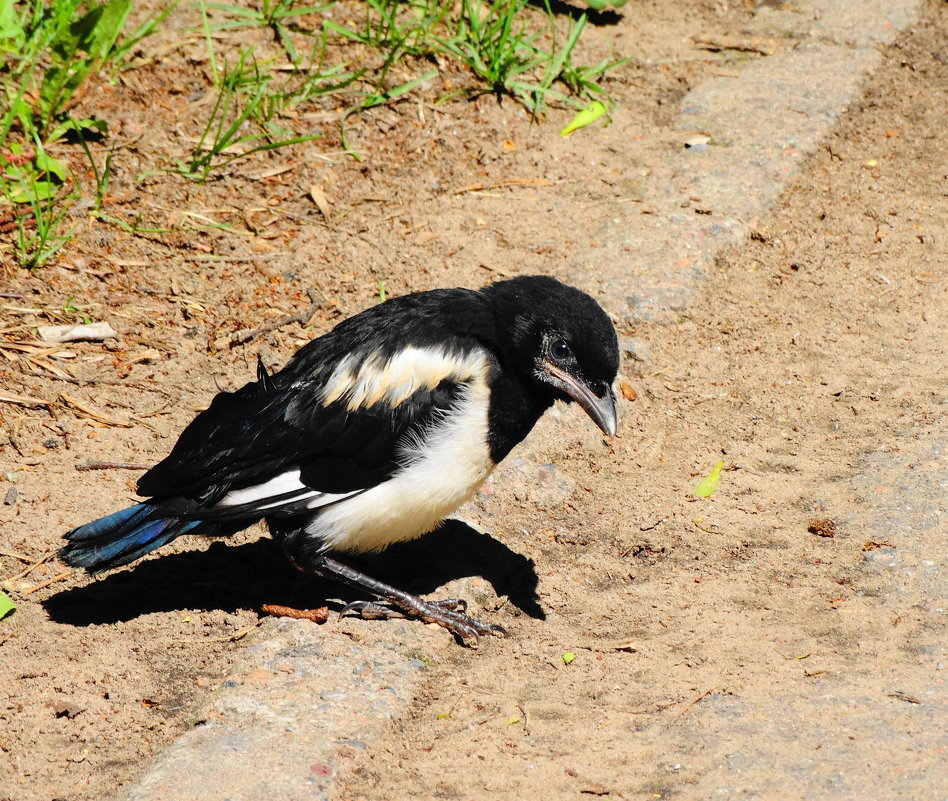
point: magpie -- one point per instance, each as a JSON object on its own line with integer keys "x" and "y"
{"x": 374, "y": 432}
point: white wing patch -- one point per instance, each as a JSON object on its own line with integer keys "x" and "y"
{"x": 284, "y": 488}
{"x": 442, "y": 469}
{"x": 398, "y": 378}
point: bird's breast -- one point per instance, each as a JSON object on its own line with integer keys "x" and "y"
{"x": 442, "y": 467}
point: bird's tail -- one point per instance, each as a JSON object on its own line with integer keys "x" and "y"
{"x": 122, "y": 537}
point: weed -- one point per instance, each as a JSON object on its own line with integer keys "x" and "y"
{"x": 102, "y": 176}
{"x": 274, "y": 14}
{"x": 71, "y": 308}
{"x": 39, "y": 235}
{"x": 242, "y": 97}
{"x": 49, "y": 50}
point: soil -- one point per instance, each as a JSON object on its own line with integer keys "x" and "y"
{"x": 816, "y": 344}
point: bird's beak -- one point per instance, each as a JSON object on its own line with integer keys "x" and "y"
{"x": 601, "y": 410}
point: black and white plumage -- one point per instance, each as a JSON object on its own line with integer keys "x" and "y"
{"x": 375, "y": 432}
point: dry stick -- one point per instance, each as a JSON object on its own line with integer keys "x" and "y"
{"x": 14, "y": 555}
{"x": 94, "y": 464}
{"x": 242, "y": 337}
{"x": 237, "y": 635}
{"x": 691, "y": 703}
{"x": 27, "y": 570}
{"x": 319, "y": 615}
{"x": 507, "y": 182}
{"x": 46, "y": 583}
{"x": 719, "y": 45}
{"x": 92, "y": 413}
{"x": 109, "y": 382}
{"x": 21, "y": 400}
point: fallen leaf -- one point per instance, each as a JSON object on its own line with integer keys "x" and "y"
{"x": 627, "y": 390}
{"x": 822, "y": 527}
{"x": 871, "y": 545}
{"x": 61, "y": 709}
{"x": 321, "y": 201}
{"x": 587, "y": 116}
{"x": 6, "y": 605}
{"x": 709, "y": 485}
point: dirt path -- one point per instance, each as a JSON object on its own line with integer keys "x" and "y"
{"x": 785, "y": 638}
{"x": 719, "y": 647}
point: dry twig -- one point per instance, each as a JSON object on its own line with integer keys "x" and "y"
{"x": 303, "y": 317}
{"x": 101, "y": 418}
{"x": 53, "y": 580}
{"x": 481, "y": 187}
{"x": 94, "y": 464}
{"x": 320, "y": 615}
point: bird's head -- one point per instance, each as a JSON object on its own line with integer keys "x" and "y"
{"x": 562, "y": 340}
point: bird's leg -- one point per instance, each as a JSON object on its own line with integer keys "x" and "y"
{"x": 448, "y": 614}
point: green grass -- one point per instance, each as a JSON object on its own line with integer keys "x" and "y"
{"x": 50, "y": 49}
{"x": 242, "y": 96}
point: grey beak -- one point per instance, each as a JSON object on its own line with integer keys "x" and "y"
{"x": 601, "y": 410}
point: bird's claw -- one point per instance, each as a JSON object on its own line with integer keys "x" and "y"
{"x": 447, "y": 612}
{"x": 371, "y": 610}
{"x": 469, "y": 629}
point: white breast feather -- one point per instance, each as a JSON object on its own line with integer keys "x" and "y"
{"x": 442, "y": 469}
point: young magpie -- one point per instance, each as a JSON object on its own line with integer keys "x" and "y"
{"x": 375, "y": 432}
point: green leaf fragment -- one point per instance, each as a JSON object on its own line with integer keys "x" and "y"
{"x": 6, "y": 605}
{"x": 11, "y": 31}
{"x": 95, "y": 127}
{"x": 46, "y": 163}
{"x": 708, "y": 486}
{"x": 568, "y": 657}
{"x": 587, "y": 116}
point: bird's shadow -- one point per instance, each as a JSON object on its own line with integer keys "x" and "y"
{"x": 246, "y": 576}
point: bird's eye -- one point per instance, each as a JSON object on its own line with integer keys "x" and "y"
{"x": 559, "y": 350}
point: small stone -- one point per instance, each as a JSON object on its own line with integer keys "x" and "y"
{"x": 131, "y": 129}
{"x": 11, "y": 496}
{"x": 635, "y": 348}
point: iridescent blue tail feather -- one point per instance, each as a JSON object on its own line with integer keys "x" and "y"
{"x": 122, "y": 537}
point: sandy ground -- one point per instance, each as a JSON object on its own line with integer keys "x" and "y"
{"x": 752, "y": 643}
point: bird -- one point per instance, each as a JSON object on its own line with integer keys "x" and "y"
{"x": 374, "y": 433}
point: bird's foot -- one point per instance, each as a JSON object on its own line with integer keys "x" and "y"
{"x": 448, "y": 613}
{"x": 469, "y": 629}
{"x": 380, "y": 610}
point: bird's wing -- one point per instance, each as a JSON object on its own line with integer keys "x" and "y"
{"x": 310, "y": 435}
